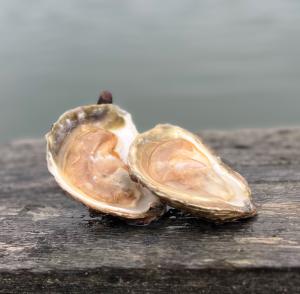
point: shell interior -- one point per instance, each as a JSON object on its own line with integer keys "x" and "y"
{"x": 87, "y": 154}
{"x": 177, "y": 166}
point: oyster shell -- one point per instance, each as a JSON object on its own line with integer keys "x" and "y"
{"x": 179, "y": 168}
{"x": 87, "y": 152}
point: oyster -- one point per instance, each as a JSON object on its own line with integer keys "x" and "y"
{"x": 87, "y": 152}
{"x": 176, "y": 165}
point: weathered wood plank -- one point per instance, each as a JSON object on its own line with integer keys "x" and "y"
{"x": 50, "y": 243}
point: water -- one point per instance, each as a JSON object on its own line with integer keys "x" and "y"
{"x": 199, "y": 64}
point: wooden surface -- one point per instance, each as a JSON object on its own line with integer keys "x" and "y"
{"x": 49, "y": 243}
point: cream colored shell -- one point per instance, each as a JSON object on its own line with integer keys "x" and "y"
{"x": 219, "y": 210}
{"x": 119, "y": 122}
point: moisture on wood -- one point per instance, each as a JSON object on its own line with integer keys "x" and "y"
{"x": 49, "y": 243}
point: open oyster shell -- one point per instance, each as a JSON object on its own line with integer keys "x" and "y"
{"x": 179, "y": 168}
{"x": 87, "y": 152}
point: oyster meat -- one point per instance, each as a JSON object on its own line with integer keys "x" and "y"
{"x": 176, "y": 165}
{"x": 87, "y": 151}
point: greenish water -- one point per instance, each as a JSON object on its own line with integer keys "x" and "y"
{"x": 199, "y": 64}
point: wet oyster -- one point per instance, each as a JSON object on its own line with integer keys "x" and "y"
{"x": 87, "y": 152}
{"x": 179, "y": 168}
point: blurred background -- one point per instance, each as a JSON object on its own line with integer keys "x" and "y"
{"x": 199, "y": 64}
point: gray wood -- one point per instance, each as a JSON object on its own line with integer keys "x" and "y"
{"x": 49, "y": 243}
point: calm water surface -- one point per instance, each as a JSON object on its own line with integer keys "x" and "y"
{"x": 199, "y": 64}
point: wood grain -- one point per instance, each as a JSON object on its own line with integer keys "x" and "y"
{"x": 49, "y": 243}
